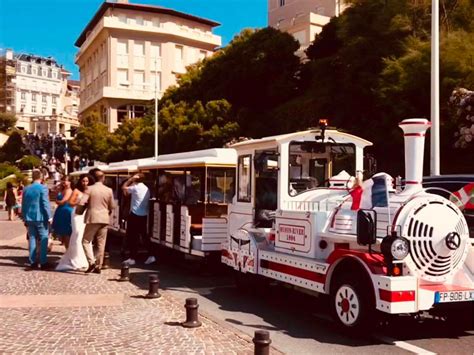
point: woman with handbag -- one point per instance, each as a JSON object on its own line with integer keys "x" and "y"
{"x": 75, "y": 258}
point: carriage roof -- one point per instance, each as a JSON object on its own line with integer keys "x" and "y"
{"x": 330, "y": 136}
{"x": 216, "y": 157}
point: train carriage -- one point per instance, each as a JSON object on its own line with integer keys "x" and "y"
{"x": 192, "y": 192}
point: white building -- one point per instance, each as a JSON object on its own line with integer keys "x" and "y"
{"x": 42, "y": 96}
{"x": 127, "y": 50}
{"x": 303, "y": 18}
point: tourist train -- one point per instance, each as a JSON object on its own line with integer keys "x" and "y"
{"x": 284, "y": 208}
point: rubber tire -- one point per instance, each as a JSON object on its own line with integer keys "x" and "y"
{"x": 367, "y": 313}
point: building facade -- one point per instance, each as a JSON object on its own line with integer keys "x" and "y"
{"x": 130, "y": 53}
{"x": 35, "y": 89}
{"x": 303, "y": 18}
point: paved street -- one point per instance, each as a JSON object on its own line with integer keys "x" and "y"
{"x": 60, "y": 314}
{"x": 46, "y": 311}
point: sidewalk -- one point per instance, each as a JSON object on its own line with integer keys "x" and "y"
{"x": 47, "y": 311}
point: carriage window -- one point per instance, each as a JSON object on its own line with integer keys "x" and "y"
{"x": 311, "y": 164}
{"x": 165, "y": 187}
{"x": 220, "y": 188}
{"x": 245, "y": 176}
{"x": 194, "y": 187}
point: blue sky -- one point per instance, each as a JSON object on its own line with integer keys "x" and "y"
{"x": 50, "y": 27}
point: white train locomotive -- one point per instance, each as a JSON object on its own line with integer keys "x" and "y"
{"x": 293, "y": 220}
{"x": 294, "y": 217}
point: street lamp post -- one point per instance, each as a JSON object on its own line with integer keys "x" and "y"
{"x": 435, "y": 161}
{"x": 156, "y": 108}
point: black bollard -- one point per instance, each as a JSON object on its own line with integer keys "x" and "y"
{"x": 106, "y": 263}
{"x": 154, "y": 284}
{"x": 124, "y": 272}
{"x": 262, "y": 342}
{"x": 191, "y": 313}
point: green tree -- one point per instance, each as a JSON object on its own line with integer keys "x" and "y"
{"x": 7, "y": 121}
{"x": 182, "y": 127}
{"x": 13, "y": 149}
{"x": 370, "y": 67}
{"x": 91, "y": 140}
{"x": 254, "y": 73}
{"x": 29, "y": 162}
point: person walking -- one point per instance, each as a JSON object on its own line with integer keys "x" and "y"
{"x": 10, "y": 198}
{"x": 100, "y": 201}
{"x": 62, "y": 226}
{"x": 75, "y": 257}
{"x": 137, "y": 218}
{"x": 37, "y": 215}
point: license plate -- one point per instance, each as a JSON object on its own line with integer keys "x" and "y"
{"x": 454, "y": 296}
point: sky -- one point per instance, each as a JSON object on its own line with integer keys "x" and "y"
{"x": 50, "y": 27}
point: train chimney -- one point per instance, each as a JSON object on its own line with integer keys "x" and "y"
{"x": 414, "y": 130}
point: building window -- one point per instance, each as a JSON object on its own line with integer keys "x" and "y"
{"x": 44, "y": 72}
{"x": 122, "y": 113}
{"x": 23, "y": 95}
{"x": 43, "y": 109}
{"x": 122, "y": 18}
{"x": 138, "y": 79}
{"x": 44, "y": 99}
{"x": 54, "y": 111}
{"x": 156, "y": 22}
{"x": 122, "y": 46}
{"x": 155, "y": 50}
{"x": 33, "y": 109}
{"x": 34, "y": 71}
{"x": 282, "y": 2}
{"x": 23, "y": 69}
{"x": 139, "y": 48}
{"x": 122, "y": 77}
{"x": 22, "y": 108}
{"x": 179, "y": 53}
{"x": 33, "y": 96}
{"x": 139, "y": 21}
{"x": 54, "y": 100}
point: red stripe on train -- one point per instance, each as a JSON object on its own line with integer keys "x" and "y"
{"x": 293, "y": 271}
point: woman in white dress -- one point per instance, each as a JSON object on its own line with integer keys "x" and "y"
{"x": 74, "y": 258}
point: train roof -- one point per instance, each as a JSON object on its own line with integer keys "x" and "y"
{"x": 331, "y": 136}
{"x": 216, "y": 157}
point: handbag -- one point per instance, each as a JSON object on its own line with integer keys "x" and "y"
{"x": 80, "y": 209}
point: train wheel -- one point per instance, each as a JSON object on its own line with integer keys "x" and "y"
{"x": 351, "y": 304}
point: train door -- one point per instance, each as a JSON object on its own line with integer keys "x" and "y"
{"x": 266, "y": 187}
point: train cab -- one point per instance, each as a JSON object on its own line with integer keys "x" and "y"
{"x": 192, "y": 192}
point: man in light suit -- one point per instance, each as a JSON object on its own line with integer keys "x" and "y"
{"x": 100, "y": 201}
{"x": 36, "y": 212}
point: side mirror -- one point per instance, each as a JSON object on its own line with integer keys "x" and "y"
{"x": 366, "y": 227}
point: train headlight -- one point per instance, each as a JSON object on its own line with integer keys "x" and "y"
{"x": 394, "y": 247}
{"x": 400, "y": 248}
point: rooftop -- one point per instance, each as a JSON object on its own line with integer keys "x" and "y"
{"x": 137, "y": 7}
{"x": 37, "y": 59}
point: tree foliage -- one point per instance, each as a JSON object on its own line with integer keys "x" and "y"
{"x": 91, "y": 140}
{"x": 183, "y": 127}
{"x": 29, "y": 162}
{"x": 7, "y": 121}
{"x": 13, "y": 149}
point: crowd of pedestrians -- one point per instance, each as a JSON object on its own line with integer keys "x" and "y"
{"x": 80, "y": 220}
